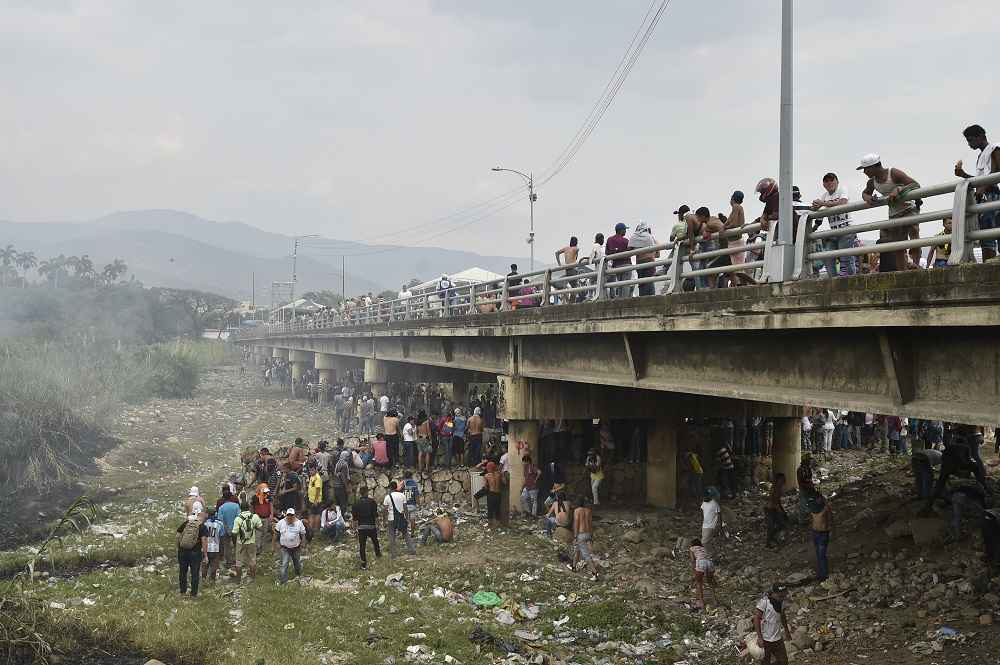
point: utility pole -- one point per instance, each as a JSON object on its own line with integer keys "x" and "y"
{"x": 531, "y": 232}
{"x": 295, "y": 259}
{"x": 780, "y": 268}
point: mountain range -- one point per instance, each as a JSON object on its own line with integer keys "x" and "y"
{"x": 177, "y": 249}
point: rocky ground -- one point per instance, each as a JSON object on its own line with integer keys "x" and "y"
{"x": 896, "y": 595}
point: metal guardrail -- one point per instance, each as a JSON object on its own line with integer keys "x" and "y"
{"x": 615, "y": 275}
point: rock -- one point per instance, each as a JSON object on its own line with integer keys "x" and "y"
{"x": 455, "y": 487}
{"x": 634, "y": 536}
{"x": 154, "y": 662}
{"x": 801, "y": 638}
{"x": 986, "y": 620}
{"x": 928, "y": 530}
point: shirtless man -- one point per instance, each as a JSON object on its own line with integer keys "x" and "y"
{"x": 390, "y": 425}
{"x": 474, "y": 430}
{"x": 442, "y": 528}
{"x": 494, "y": 487}
{"x": 296, "y": 456}
{"x": 558, "y": 514}
{"x": 571, "y": 254}
{"x": 701, "y": 226}
{"x": 582, "y": 536}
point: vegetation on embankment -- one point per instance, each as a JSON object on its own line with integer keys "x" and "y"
{"x": 57, "y": 397}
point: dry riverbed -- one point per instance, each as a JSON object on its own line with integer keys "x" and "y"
{"x": 116, "y": 583}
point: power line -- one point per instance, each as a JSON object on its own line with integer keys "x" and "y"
{"x": 489, "y": 207}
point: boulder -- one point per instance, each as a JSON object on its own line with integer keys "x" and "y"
{"x": 153, "y": 661}
{"x": 455, "y": 487}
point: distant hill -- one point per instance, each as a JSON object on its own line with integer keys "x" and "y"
{"x": 178, "y": 249}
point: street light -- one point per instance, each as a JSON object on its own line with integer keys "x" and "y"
{"x": 295, "y": 260}
{"x": 532, "y": 197}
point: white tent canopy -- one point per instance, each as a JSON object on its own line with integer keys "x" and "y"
{"x": 464, "y": 278}
{"x": 302, "y": 305}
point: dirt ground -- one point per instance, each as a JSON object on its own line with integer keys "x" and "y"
{"x": 885, "y": 601}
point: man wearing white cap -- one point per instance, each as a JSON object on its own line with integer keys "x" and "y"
{"x": 291, "y": 532}
{"x": 194, "y": 504}
{"x": 892, "y": 184}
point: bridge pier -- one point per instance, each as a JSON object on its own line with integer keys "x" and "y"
{"x": 326, "y": 365}
{"x": 298, "y": 360}
{"x": 661, "y": 463}
{"x": 280, "y": 354}
{"x": 377, "y": 375}
{"x": 787, "y": 451}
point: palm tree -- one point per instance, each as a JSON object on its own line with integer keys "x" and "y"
{"x": 26, "y": 261}
{"x": 7, "y": 256}
{"x": 112, "y": 271}
{"x": 83, "y": 267}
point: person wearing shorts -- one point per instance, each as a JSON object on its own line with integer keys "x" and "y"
{"x": 583, "y": 536}
{"x": 704, "y": 571}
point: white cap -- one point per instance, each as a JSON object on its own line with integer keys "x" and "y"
{"x": 192, "y": 518}
{"x": 193, "y": 491}
{"x": 871, "y": 159}
{"x": 290, "y": 511}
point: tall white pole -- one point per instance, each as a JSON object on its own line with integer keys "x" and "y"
{"x": 785, "y": 156}
{"x": 531, "y": 207}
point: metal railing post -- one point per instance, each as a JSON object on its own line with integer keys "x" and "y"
{"x": 961, "y": 223}
{"x": 601, "y": 293}
{"x": 546, "y": 287}
{"x": 505, "y": 294}
{"x": 802, "y": 267}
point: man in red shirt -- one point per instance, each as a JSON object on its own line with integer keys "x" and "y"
{"x": 615, "y": 244}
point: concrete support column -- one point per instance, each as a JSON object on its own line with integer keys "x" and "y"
{"x": 661, "y": 463}
{"x": 522, "y": 439}
{"x": 298, "y": 360}
{"x": 460, "y": 392}
{"x": 280, "y": 354}
{"x": 377, "y": 375}
{"x": 787, "y": 451}
{"x": 326, "y": 366}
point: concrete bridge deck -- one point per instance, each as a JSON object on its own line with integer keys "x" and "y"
{"x": 918, "y": 343}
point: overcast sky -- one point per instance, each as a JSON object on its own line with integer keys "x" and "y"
{"x": 362, "y": 120}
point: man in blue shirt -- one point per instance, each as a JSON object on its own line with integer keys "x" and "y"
{"x": 227, "y": 513}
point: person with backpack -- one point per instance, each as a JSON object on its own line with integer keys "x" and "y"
{"x": 291, "y": 534}
{"x": 395, "y": 518}
{"x": 246, "y": 527}
{"x": 363, "y": 514}
{"x": 192, "y": 543}
{"x": 411, "y": 489}
{"x": 227, "y": 512}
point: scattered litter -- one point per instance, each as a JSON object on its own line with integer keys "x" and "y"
{"x": 504, "y": 617}
{"x": 560, "y": 622}
{"x": 486, "y": 599}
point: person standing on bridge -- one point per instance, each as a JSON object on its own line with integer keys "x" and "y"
{"x": 892, "y": 184}
{"x": 615, "y": 245}
{"x": 571, "y": 254}
{"x": 834, "y": 194}
{"x": 988, "y": 162}
{"x": 642, "y": 237}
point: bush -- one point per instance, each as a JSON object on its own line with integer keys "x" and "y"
{"x": 171, "y": 374}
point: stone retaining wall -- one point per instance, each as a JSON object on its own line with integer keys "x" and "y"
{"x": 447, "y": 486}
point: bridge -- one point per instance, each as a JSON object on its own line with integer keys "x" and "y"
{"x": 917, "y": 343}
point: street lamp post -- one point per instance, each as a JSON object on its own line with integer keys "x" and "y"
{"x": 295, "y": 260}
{"x": 532, "y": 197}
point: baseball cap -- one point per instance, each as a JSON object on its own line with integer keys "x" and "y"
{"x": 290, "y": 511}
{"x": 684, "y": 209}
{"x": 871, "y": 159}
{"x": 620, "y": 226}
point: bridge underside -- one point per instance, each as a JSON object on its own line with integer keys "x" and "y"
{"x": 922, "y": 343}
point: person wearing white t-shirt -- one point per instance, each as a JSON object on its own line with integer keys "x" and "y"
{"x": 291, "y": 533}
{"x": 769, "y": 620}
{"x": 711, "y": 517}
{"x": 383, "y": 404}
{"x": 410, "y": 442}
{"x": 395, "y": 519}
{"x": 835, "y": 194}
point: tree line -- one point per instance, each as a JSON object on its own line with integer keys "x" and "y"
{"x": 58, "y": 271}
